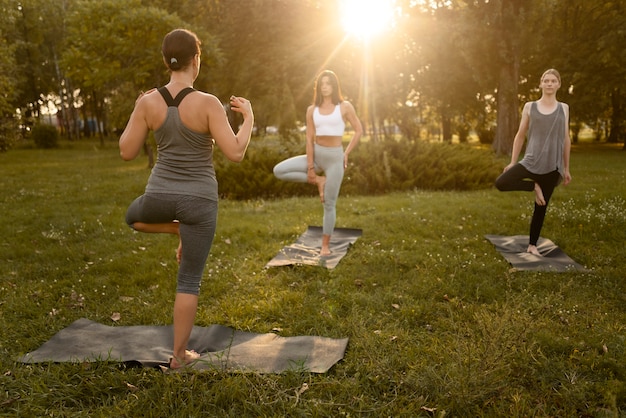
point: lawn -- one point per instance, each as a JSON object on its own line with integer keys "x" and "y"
{"x": 439, "y": 323}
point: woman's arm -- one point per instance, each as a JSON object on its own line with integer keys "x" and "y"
{"x": 520, "y": 136}
{"x": 310, "y": 145}
{"x": 233, "y": 145}
{"x": 350, "y": 116}
{"x": 134, "y": 135}
{"x": 567, "y": 146}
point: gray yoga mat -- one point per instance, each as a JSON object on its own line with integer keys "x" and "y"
{"x": 513, "y": 249}
{"x": 220, "y": 347}
{"x": 307, "y": 247}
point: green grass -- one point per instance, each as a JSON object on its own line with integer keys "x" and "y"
{"x": 439, "y": 324}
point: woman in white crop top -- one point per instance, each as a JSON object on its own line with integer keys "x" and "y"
{"x": 325, "y": 159}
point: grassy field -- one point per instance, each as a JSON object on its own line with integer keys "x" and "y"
{"x": 439, "y": 324}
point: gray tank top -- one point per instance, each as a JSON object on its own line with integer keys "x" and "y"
{"x": 546, "y": 135}
{"x": 185, "y": 157}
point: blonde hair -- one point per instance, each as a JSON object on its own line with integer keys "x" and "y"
{"x": 553, "y": 72}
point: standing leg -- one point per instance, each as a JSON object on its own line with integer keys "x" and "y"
{"x": 331, "y": 161}
{"x": 185, "y": 307}
{"x": 198, "y": 220}
{"x": 547, "y": 184}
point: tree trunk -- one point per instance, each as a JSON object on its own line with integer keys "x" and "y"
{"x": 616, "y": 117}
{"x": 508, "y": 104}
{"x": 446, "y": 127}
{"x": 508, "y": 112}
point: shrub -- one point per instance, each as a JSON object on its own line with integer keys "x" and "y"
{"x": 45, "y": 136}
{"x": 375, "y": 168}
{"x": 8, "y": 131}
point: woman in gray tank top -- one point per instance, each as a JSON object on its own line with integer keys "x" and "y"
{"x": 546, "y": 160}
{"x": 181, "y": 194}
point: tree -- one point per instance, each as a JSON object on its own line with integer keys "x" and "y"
{"x": 8, "y": 125}
{"x": 112, "y": 53}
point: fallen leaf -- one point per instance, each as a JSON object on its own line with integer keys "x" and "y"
{"x": 303, "y": 388}
{"x": 116, "y": 316}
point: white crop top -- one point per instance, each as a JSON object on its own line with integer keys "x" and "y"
{"x": 329, "y": 125}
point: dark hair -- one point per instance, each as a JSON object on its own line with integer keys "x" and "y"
{"x": 178, "y": 49}
{"x": 334, "y": 82}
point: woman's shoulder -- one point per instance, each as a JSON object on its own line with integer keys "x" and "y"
{"x": 529, "y": 105}
{"x": 201, "y": 98}
{"x": 347, "y": 108}
{"x": 345, "y": 104}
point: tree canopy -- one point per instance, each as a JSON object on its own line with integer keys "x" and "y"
{"x": 441, "y": 69}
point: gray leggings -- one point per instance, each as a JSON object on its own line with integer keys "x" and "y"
{"x": 330, "y": 161}
{"x": 197, "y": 219}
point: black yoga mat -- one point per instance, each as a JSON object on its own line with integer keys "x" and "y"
{"x": 220, "y": 347}
{"x": 513, "y": 249}
{"x": 307, "y": 247}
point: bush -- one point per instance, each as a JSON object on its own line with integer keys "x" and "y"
{"x": 375, "y": 168}
{"x": 8, "y": 131}
{"x": 45, "y": 136}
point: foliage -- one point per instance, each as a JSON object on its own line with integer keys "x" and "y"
{"x": 374, "y": 168}
{"x": 8, "y": 133}
{"x": 446, "y": 68}
{"x": 45, "y": 136}
{"x": 439, "y": 324}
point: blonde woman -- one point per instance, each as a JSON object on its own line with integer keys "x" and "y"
{"x": 546, "y": 160}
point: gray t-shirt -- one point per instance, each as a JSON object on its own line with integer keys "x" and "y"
{"x": 185, "y": 160}
{"x": 546, "y": 135}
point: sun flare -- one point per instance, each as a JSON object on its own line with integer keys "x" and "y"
{"x": 366, "y": 18}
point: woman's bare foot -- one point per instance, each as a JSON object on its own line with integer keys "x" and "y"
{"x": 325, "y": 245}
{"x": 190, "y": 357}
{"x": 321, "y": 182}
{"x": 539, "y": 199}
{"x": 179, "y": 251}
{"x": 532, "y": 249}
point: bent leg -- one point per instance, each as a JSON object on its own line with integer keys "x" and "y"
{"x": 292, "y": 169}
{"x": 516, "y": 178}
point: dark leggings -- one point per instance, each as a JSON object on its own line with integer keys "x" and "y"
{"x": 197, "y": 219}
{"x": 518, "y": 178}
